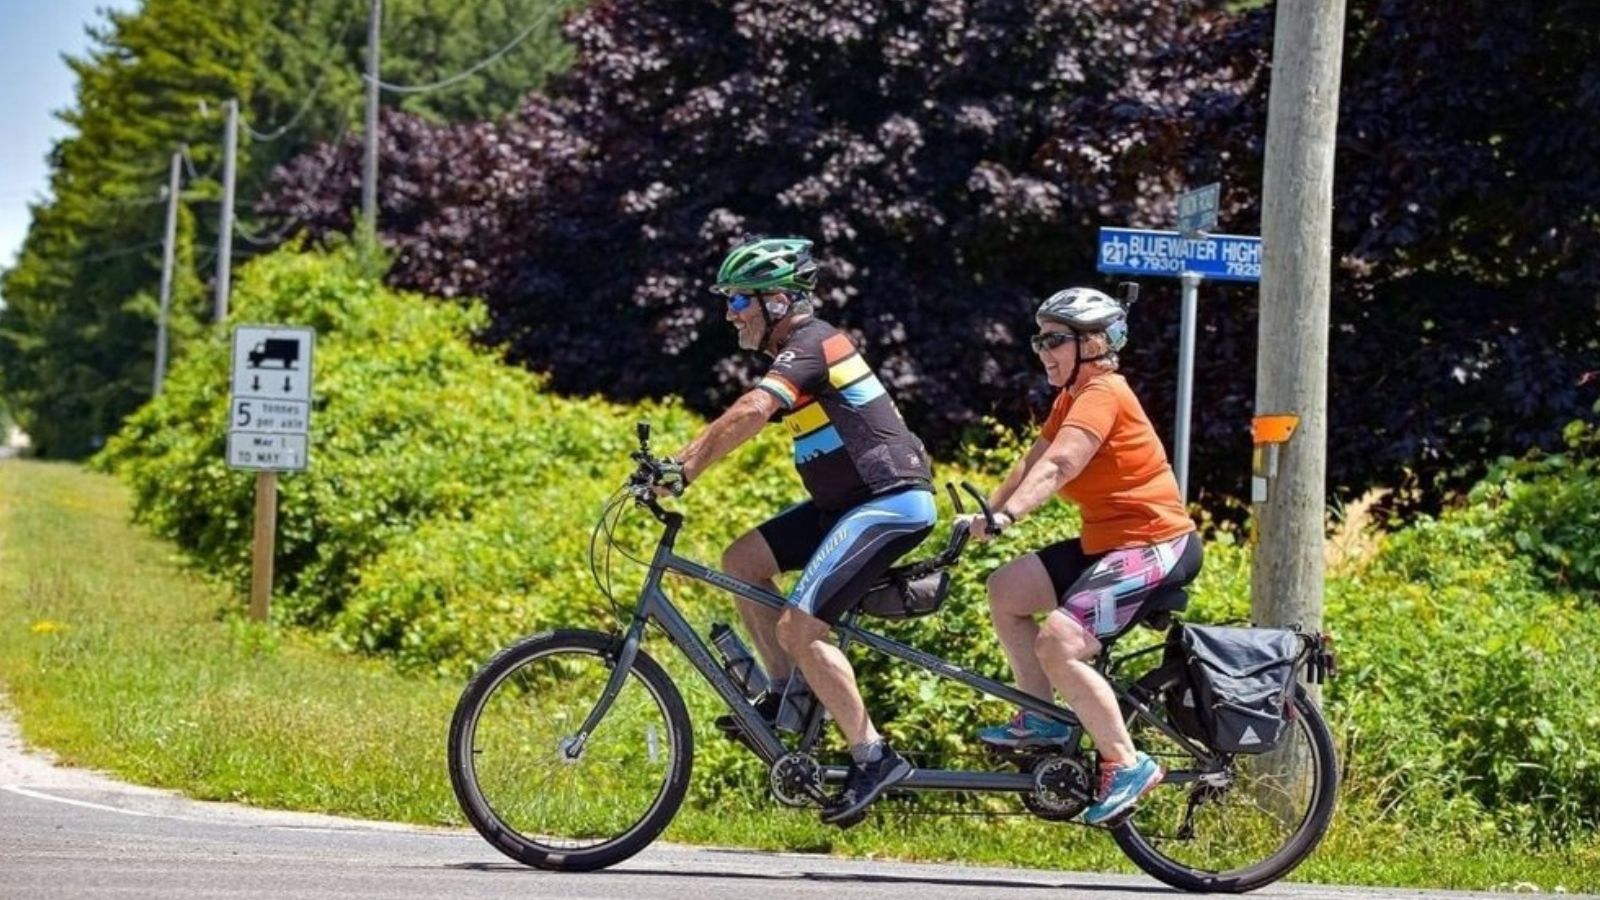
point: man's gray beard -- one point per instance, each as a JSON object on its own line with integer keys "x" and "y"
{"x": 750, "y": 338}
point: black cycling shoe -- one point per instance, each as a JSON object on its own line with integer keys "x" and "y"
{"x": 766, "y": 705}
{"x": 865, "y": 784}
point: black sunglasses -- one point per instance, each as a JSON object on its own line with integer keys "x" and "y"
{"x": 1049, "y": 340}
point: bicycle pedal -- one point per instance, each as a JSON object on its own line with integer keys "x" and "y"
{"x": 1024, "y": 757}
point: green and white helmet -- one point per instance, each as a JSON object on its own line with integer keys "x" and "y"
{"x": 1087, "y": 310}
{"x": 768, "y": 264}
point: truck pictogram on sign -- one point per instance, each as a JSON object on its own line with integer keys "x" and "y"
{"x": 285, "y": 351}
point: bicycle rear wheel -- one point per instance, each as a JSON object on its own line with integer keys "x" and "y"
{"x": 509, "y": 760}
{"x": 1248, "y": 826}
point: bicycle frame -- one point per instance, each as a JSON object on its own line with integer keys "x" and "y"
{"x": 654, "y": 606}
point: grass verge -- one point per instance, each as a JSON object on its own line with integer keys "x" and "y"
{"x": 117, "y": 658}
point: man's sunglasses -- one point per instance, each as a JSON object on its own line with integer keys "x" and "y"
{"x": 1050, "y": 340}
{"x": 740, "y": 302}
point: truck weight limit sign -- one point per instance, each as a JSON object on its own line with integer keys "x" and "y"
{"x": 269, "y": 418}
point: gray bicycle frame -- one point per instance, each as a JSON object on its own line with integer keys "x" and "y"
{"x": 654, "y": 606}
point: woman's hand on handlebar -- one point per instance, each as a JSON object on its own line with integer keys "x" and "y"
{"x": 977, "y": 527}
{"x": 985, "y": 527}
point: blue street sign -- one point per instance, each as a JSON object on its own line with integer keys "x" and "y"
{"x": 1216, "y": 257}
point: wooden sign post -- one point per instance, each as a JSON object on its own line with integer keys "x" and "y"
{"x": 269, "y": 431}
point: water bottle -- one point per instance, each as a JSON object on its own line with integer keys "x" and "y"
{"x": 743, "y": 668}
{"x": 796, "y": 706}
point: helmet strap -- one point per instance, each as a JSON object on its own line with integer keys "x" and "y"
{"x": 1078, "y": 359}
{"x": 770, "y": 333}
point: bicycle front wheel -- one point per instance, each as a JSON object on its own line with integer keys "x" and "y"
{"x": 1242, "y": 828}
{"x": 523, "y": 789}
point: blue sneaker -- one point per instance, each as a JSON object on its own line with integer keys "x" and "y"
{"x": 1025, "y": 730}
{"x": 1121, "y": 787}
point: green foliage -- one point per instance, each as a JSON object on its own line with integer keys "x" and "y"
{"x": 426, "y": 41}
{"x": 1548, "y": 506}
{"x": 76, "y": 334}
{"x": 1467, "y": 698}
{"x": 411, "y": 423}
{"x": 77, "y": 331}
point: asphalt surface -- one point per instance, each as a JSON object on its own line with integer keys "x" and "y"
{"x": 68, "y": 833}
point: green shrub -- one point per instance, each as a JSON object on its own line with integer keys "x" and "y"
{"x": 411, "y": 423}
{"x": 1549, "y": 508}
{"x": 1466, "y": 696}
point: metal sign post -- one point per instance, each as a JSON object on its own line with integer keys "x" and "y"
{"x": 1170, "y": 254}
{"x": 269, "y": 424}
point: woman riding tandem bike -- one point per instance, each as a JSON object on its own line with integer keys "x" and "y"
{"x": 1098, "y": 450}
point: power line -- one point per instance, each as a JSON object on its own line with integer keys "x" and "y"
{"x": 459, "y": 76}
{"x": 188, "y": 163}
{"x": 277, "y": 236}
{"x": 112, "y": 254}
{"x": 270, "y": 136}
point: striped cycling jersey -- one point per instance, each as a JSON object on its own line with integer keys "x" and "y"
{"x": 850, "y": 443}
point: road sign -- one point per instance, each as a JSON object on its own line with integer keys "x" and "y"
{"x": 268, "y": 452}
{"x": 269, "y": 416}
{"x": 272, "y": 362}
{"x": 1197, "y": 209}
{"x": 1216, "y": 257}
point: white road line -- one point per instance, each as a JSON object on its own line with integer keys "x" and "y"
{"x": 380, "y": 828}
{"x": 39, "y": 795}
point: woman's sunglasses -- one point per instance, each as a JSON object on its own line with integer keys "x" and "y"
{"x": 1050, "y": 340}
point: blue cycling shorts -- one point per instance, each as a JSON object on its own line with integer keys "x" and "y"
{"x": 842, "y": 554}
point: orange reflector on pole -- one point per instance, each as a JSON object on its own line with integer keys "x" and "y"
{"x": 1274, "y": 429}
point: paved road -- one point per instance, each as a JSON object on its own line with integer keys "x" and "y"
{"x": 73, "y": 834}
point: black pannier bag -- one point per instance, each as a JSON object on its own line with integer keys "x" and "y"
{"x": 1237, "y": 687}
{"x": 906, "y": 598}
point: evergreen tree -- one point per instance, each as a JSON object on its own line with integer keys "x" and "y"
{"x": 77, "y": 331}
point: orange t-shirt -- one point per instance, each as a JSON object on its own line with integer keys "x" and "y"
{"x": 1127, "y": 492}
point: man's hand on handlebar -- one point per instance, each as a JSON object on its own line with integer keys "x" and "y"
{"x": 668, "y": 479}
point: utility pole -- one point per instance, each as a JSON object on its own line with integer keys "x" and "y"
{"x": 369, "y": 171}
{"x": 1292, "y": 371}
{"x": 230, "y": 150}
{"x": 167, "y": 246}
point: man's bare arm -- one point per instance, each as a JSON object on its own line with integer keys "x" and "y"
{"x": 739, "y": 423}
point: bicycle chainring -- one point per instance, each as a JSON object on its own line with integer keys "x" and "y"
{"x": 796, "y": 780}
{"x": 1062, "y": 788}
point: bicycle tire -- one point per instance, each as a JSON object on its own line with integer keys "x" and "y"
{"x": 1144, "y": 851}
{"x": 520, "y": 826}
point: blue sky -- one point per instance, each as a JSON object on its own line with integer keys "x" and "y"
{"x": 34, "y": 83}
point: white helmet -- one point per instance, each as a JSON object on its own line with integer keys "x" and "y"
{"x": 1087, "y": 310}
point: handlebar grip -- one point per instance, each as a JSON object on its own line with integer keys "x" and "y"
{"x": 955, "y": 498}
{"x": 959, "y": 535}
{"x": 988, "y": 514}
